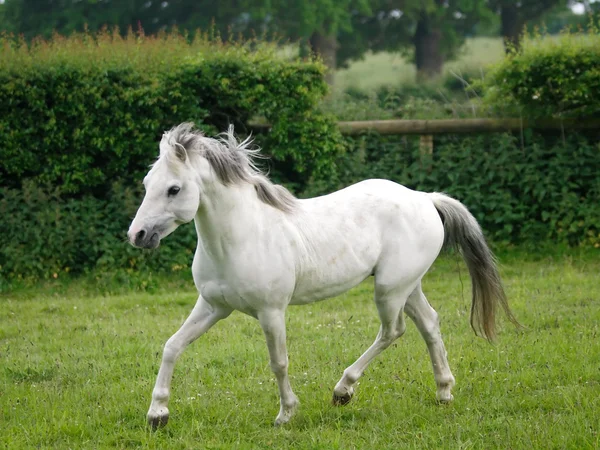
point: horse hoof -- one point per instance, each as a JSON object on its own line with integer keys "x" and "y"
{"x": 158, "y": 421}
{"x": 445, "y": 399}
{"x": 281, "y": 421}
{"x": 341, "y": 400}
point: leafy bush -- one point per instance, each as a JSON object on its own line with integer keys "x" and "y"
{"x": 80, "y": 112}
{"x": 550, "y": 77}
{"x": 80, "y": 121}
{"x": 45, "y": 235}
{"x": 540, "y": 189}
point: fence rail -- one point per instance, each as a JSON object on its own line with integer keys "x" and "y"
{"x": 429, "y": 127}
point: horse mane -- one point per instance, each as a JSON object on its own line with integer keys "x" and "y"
{"x": 232, "y": 161}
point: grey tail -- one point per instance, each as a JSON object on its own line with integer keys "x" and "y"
{"x": 461, "y": 231}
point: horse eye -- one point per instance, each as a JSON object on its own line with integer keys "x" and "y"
{"x": 173, "y": 191}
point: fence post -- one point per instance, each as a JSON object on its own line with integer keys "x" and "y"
{"x": 426, "y": 151}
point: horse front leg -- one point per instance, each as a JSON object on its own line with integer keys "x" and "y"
{"x": 273, "y": 325}
{"x": 202, "y": 317}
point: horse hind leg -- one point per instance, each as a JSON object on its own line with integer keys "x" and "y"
{"x": 426, "y": 320}
{"x": 389, "y": 306}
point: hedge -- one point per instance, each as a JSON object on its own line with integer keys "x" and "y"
{"x": 522, "y": 189}
{"x": 79, "y": 112}
{"x": 81, "y": 118}
{"x": 550, "y": 77}
{"x": 535, "y": 190}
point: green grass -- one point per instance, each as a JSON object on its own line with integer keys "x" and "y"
{"x": 78, "y": 369}
{"x": 393, "y": 69}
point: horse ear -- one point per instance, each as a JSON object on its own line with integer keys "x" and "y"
{"x": 180, "y": 152}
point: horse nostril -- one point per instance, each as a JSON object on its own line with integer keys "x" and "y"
{"x": 139, "y": 236}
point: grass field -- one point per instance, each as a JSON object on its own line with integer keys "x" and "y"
{"x": 380, "y": 69}
{"x": 78, "y": 369}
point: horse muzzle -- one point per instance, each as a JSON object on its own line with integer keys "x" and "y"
{"x": 144, "y": 238}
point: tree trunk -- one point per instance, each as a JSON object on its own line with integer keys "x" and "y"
{"x": 326, "y": 47}
{"x": 511, "y": 27}
{"x": 428, "y": 52}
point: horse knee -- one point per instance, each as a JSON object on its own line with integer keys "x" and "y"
{"x": 170, "y": 352}
{"x": 393, "y": 333}
{"x": 279, "y": 366}
{"x": 388, "y": 338}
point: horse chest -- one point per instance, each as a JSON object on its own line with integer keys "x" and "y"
{"x": 248, "y": 293}
{"x": 219, "y": 292}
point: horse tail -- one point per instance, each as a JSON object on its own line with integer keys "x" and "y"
{"x": 461, "y": 231}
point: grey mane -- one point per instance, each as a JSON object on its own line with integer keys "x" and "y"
{"x": 232, "y": 162}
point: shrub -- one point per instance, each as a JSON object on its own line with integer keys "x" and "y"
{"x": 80, "y": 112}
{"x": 46, "y": 235}
{"x": 80, "y": 121}
{"x": 550, "y": 77}
{"x": 537, "y": 190}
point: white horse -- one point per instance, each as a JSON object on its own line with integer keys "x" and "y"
{"x": 261, "y": 249}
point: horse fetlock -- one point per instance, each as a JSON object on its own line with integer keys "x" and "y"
{"x": 443, "y": 394}
{"x": 160, "y": 395}
{"x": 290, "y": 404}
{"x": 350, "y": 377}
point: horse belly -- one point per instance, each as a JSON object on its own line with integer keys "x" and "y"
{"x": 313, "y": 292}
{"x": 333, "y": 276}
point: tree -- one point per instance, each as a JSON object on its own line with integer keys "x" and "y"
{"x": 514, "y": 15}
{"x": 316, "y": 23}
{"x": 42, "y": 17}
{"x": 430, "y": 31}
{"x": 33, "y": 18}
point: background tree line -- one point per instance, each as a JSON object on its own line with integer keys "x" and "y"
{"x": 431, "y": 32}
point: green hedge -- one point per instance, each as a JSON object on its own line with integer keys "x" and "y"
{"x": 533, "y": 191}
{"x": 550, "y": 77}
{"x": 79, "y": 112}
{"x": 80, "y": 122}
{"x": 525, "y": 189}
{"x": 47, "y": 235}
{"x": 81, "y": 119}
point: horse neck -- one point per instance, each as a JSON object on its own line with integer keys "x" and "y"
{"x": 227, "y": 216}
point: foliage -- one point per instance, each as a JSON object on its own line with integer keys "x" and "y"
{"x": 392, "y": 26}
{"x": 47, "y": 235}
{"x": 455, "y": 95}
{"x": 549, "y": 77}
{"x": 515, "y": 15}
{"x": 82, "y": 111}
{"x": 81, "y": 118}
{"x": 542, "y": 188}
{"x": 33, "y": 18}
{"x": 299, "y": 19}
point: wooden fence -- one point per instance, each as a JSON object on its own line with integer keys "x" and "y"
{"x": 429, "y": 127}
{"x": 441, "y": 126}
